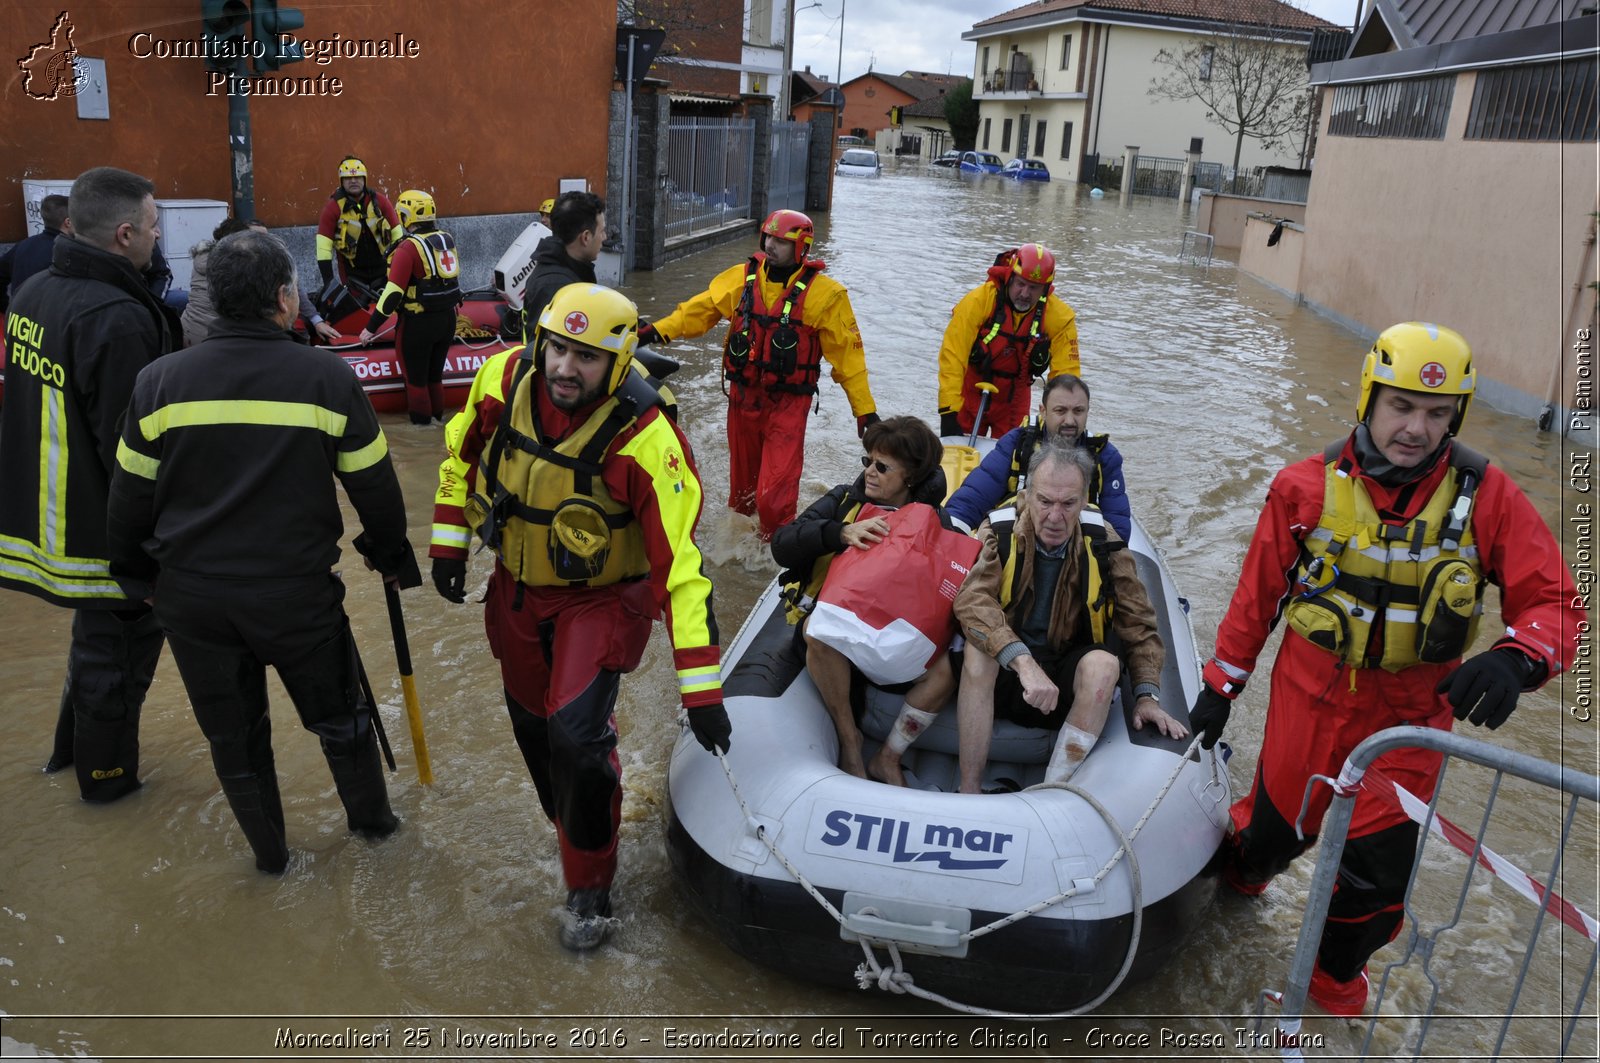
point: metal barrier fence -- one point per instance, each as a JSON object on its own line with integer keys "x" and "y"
{"x": 1426, "y": 944}
{"x": 786, "y": 177}
{"x": 710, "y": 162}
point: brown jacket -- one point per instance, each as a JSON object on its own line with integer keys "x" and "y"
{"x": 991, "y": 629}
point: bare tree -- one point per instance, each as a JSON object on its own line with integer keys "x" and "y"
{"x": 1252, "y": 80}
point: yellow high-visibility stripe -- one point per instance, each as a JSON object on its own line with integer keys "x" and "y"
{"x": 52, "y": 468}
{"x": 231, "y": 412}
{"x": 366, "y": 457}
{"x": 451, "y": 535}
{"x": 324, "y": 248}
{"x": 136, "y": 463}
{"x": 694, "y": 680}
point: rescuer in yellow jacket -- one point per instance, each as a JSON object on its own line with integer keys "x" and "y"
{"x": 785, "y": 317}
{"x": 358, "y": 223}
{"x": 565, "y": 462}
{"x": 1006, "y": 331}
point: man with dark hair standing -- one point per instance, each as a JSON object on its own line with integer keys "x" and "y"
{"x": 578, "y": 228}
{"x": 76, "y": 337}
{"x": 32, "y": 254}
{"x": 223, "y": 510}
{"x": 360, "y": 225}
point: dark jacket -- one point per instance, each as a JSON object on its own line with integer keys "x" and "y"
{"x": 553, "y": 269}
{"x": 76, "y": 337}
{"x": 819, "y": 530}
{"x": 27, "y": 257}
{"x": 243, "y": 485}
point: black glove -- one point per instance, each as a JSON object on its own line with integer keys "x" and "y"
{"x": 648, "y": 334}
{"x": 864, "y": 422}
{"x": 400, "y": 562}
{"x": 950, "y": 424}
{"x": 1484, "y": 689}
{"x": 711, "y": 727}
{"x": 325, "y": 267}
{"x": 1209, "y": 715}
{"x": 450, "y": 578}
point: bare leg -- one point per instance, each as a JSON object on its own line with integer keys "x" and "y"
{"x": 1092, "y": 688}
{"x": 924, "y": 700}
{"x": 830, "y": 671}
{"x": 975, "y": 715}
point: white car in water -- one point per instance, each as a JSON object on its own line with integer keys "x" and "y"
{"x": 859, "y": 162}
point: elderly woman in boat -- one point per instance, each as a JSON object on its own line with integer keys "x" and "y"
{"x": 901, "y": 465}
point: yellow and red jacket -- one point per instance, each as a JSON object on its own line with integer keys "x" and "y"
{"x": 424, "y": 277}
{"x": 984, "y": 320}
{"x": 343, "y": 218}
{"x": 646, "y": 471}
{"x": 825, "y": 314}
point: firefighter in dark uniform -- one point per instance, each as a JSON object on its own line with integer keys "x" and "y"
{"x": 223, "y": 507}
{"x": 424, "y": 284}
{"x": 76, "y": 336}
{"x": 360, "y": 225}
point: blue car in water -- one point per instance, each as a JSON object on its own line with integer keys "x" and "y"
{"x": 979, "y": 162}
{"x": 1026, "y": 170}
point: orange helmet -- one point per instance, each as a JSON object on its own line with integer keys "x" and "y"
{"x": 793, "y": 226}
{"x": 1034, "y": 263}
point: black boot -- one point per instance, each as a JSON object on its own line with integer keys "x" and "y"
{"x": 61, "y": 752}
{"x": 256, "y": 806}
{"x": 359, "y": 780}
{"x": 106, "y": 757}
{"x": 587, "y": 921}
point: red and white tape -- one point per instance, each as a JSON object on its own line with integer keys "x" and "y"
{"x": 1385, "y": 788}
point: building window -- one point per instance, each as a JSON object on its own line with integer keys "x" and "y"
{"x": 985, "y": 69}
{"x": 1066, "y": 50}
{"x": 1005, "y": 136}
{"x": 1415, "y": 108}
{"x": 986, "y": 122}
{"x": 1066, "y": 140}
{"x": 1207, "y": 55}
{"x": 1038, "y": 138}
{"x": 1541, "y": 101}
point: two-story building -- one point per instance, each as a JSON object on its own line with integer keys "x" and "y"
{"x": 1068, "y": 81}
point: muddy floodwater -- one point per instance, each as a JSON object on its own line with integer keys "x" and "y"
{"x": 143, "y": 930}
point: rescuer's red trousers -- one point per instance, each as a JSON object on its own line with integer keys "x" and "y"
{"x": 766, "y": 451}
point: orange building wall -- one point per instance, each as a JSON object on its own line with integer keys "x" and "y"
{"x": 871, "y": 112}
{"x": 498, "y": 106}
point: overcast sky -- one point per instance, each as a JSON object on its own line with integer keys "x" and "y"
{"x": 898, "y": 35}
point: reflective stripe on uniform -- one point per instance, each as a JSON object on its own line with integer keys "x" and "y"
{"x": 451, "y": 535}
{"x": 52, "y": 469}
{"x": 695, "y": 680}
{"x": 138, "y": 464}
{"x": 66, "y": 577}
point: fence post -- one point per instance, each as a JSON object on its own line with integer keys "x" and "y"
{"x": 819, "y": 165}
{"x": 1130, "y": 162}
{"x": 760, "y": 109}
{"x": 652, "y": 111}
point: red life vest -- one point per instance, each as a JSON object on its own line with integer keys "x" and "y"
{"x": 1010, "y": 350}
{"x": 772, "y": 347}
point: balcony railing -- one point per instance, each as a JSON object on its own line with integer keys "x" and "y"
{"x": 1018, "y": 77}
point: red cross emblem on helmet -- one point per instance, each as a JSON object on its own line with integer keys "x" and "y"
{"x": 576, "y": 323}
{"x": 1433, "y": 374}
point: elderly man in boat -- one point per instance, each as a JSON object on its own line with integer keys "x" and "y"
{"x": 1052, "y": 612}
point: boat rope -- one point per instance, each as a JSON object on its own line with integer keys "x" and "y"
{"x": 896, "y": 979}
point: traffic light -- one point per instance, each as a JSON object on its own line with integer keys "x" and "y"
{"x": 222, "y": 24}
{"x": 269, "y": 24}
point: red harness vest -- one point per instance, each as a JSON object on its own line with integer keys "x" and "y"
{"x": 772, "y": 347}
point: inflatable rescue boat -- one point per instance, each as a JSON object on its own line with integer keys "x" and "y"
{"x": 923, "y": 885}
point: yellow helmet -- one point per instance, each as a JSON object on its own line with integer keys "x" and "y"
{"x": 415, "y": 205}
{"x": 1421, "y": 357}
{"x": 547, "y": 206}
{"x": 595, "y": 316}
{"x": 351, "y": 166}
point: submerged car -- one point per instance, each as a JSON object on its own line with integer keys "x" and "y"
{"x": 948, "y": 159}
{"x": 980, "y": 162}
{"x": 859, "y": 162}
{"x": 1026, "y": 170}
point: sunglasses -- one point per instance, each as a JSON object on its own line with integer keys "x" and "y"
{"x": 883, "y": 470}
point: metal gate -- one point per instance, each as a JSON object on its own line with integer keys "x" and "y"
{"x": 786, "y": 177}
{"x": 1154, "y": 176}
{"x": 1441, "y": 924}
{"x": 710, "y": 162}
